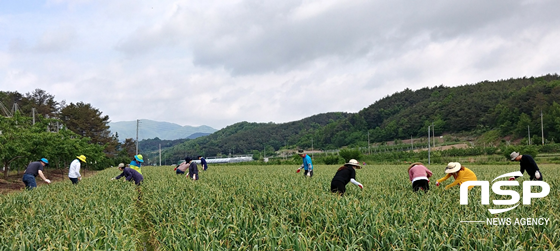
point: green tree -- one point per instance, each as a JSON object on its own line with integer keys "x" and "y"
{"x": 43, "y": 102}
{"x": 14, "y": 140}
{"x": 522, "y": 124}
{"x": 87, "y": 121}
{"x": 348, "y": 154}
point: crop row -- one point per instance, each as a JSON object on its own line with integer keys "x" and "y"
{"x": 270, "y": 208}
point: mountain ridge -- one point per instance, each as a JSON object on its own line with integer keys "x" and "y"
{"x": 500, "y": 108}
{"x": 149, "y": 129}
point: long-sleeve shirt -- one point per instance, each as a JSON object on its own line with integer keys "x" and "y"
{"x": 74, "y": 170}
{"x": 528, "y": 164}
{"x": 136, "y": 166}
{"x": 307, "y": 164}
{"x": 193, "y": 169}
{"x": 419, "y": 172}
{"x": 203, "y": 163}
{"x": 345, "y": 174}
{"x": 131, "y": 174}
{"x": 183, "y": 166}
{"x": 462, "y": 176}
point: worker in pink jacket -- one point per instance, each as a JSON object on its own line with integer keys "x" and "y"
{"x": 419, "y": 176}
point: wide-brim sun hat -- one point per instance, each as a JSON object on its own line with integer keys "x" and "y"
{"x": 46, "y": 161}
{"x": 355, "y": 163}
{"x": 300, "y": 152}
{"x": 513, "y": 155}
{"x": 121, "y": 165}
{"x": 82, "y": 158}
{"x": 414, "y": 164}
{"x": 452, "y": 167}
{"x": 139, "y": 158}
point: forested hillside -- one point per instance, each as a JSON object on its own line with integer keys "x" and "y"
{"x": 244, "y": 137}
{"x": 508, "y": 106}
{"x": 505, "y": 107}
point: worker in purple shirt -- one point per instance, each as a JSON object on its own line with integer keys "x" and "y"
{"x": 203, "y": 163}
{"x": 129, "y": 174}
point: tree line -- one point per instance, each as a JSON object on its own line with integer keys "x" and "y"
{"x": 493, "y": 110}
{"x": 501, "y": 109}
{"x": 35, "y": 125}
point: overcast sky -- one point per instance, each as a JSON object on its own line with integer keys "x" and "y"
{"x": 217, "y": 63}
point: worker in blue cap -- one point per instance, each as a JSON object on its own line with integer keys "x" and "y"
{"x": 33, "y": 169}
{"x": 136, "y": 163}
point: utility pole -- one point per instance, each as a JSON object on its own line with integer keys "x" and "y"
{"x": 137, "y": 124}
{"x": 33, "y": 110}
{"x": 433, "y": 134}
{"x": 159, "y": 154}
{"x": 369, "y": 149}
{"x": 285, "y": 150}
{"x": 529, "y": 133}
{"x": 311, "y": 148}
{"x": 542, "y": 130}
{"x": 411, "y": 143}
{"x": 429, "y": 150}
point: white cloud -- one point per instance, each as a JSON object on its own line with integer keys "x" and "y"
{"x": 57, "y": 40}
{"x": 217, "y": 63}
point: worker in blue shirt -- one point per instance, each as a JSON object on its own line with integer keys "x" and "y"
{"x": 307, "y": 164}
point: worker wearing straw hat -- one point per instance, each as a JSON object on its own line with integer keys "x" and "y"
{"x": 419, "y": 176}
{"x": 136, "y": 163}
{"x": 345, "y": 174}
{"x": 74, "y": 170}
{"x": 528, "y": 164}
{"x": 459, "y": 172}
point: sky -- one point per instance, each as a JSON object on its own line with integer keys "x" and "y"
{"x": 217, "y": 63}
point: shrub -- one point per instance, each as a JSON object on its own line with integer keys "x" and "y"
{"x": 348, "y": 154}
{"x": 333, "y": 160}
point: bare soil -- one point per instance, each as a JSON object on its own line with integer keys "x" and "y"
{"x": 13, "y": 182}
{"x": 440, "y": 148}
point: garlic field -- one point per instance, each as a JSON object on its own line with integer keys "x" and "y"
{"x": 273, "y": 208}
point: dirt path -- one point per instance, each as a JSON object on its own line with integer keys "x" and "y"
{"x": 440, "y": 148}
{"x": 13, "y": 183}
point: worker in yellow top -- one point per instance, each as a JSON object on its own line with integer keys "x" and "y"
{"x": 136, "y": 163}
{"x": 459, "y": 172}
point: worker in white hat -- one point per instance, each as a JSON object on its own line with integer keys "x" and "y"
{"x": 459, "y": 172}
{"x": 345, "y": 174}
{"x": 528, "y": 164}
